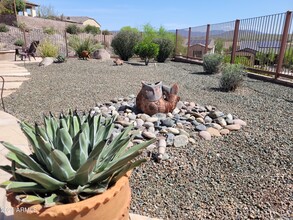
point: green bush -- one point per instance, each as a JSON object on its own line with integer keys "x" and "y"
{"x": 232, "y": 77}
{"x": 166, "y": 47}
{"x": 106, "y": 32}
{"x": 90, "y": 29}
{"x": 49, "y": 30}
{"x": 73, "y": 29}
{"x": 212, "y": 63}
{"x": 3, "y": 28}
{"x": 238, "y": 60}
{"x": 147, "y": 50}
{"x": 60, "y": 59}
{"x": 124, "y": 42}
{"x": 48, "y": 49}
{"x": 79, "y": 45}
{"x": 19, "y": 43}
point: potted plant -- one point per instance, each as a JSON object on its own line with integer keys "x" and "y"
{"x": 77, "y": 169}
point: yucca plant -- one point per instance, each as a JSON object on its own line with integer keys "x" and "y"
{"x": 73, "y": 159}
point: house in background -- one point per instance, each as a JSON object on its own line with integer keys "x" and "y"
{"x": 249, "y": 49}
{"x": 197, "y": 48}
{"x": 30, "y": 9}
{"x": 84, "y": 20}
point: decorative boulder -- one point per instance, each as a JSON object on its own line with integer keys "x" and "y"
{"x": 47, "y": 61}
{"x": 101, "y": 54}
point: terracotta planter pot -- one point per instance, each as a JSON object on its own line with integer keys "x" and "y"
{"x": 111, "y": 205}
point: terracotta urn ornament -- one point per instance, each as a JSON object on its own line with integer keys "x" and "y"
{"x": 157, "y": 98}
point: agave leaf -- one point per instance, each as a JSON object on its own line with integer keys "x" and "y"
{"x": 48, "y": 127}
{"x": 43, "y": 179}
{"x": 45, "y": 145}
{"x": 79, "y": 151}
{"x": 94, "y": 124}
{"x": 83, "y": 174}
{"x": 86, "y": 129}
{"x": 29, "y": 199}
{"x": 64, "y": 140}
{"x": 98, "y": 188}
{"x": 41, "y": 131}
{"x": 75, "y": 124}
{"x": 6, "y": 168}
{"x": 61, "y": 168}
{"x": 15, "y": 186}
{"x": 30, "y": 162}
{"x": 12, "y": 157}
{"x": 51, "y": 200}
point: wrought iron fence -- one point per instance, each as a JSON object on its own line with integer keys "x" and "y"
{"x": 262, "y": 44}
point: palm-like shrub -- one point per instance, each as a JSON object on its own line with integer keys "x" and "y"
{"x": 166, "y": 46}
{"x": 73, "y": 159}
{"x": 232, "y": 77}
{"x": 48, "y": 49}
{"x": 79, "y": 45}
{"x": 212, "y": 63}
{"x": 124, "y": 43}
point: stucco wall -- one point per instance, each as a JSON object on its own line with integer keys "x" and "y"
{"x": 91, "y": 22}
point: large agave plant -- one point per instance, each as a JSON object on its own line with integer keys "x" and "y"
{"x": 73, "y": 158}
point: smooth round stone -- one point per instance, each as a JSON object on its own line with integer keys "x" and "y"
{"x": 148, "y": 135}
{"x": 205, "y": 135}
{"x": 131, "y": 116}
{"x": 214, "y": 132}
{"x": 148, "y": 124}
{"x": 195, "y": 123}
{"x": 179, "y": 105}
{"x": 108, "y": 103}
{"x": 180, "y": 140}
{"x": 200, "y": 120}
{"x": 182, "y": 131}
{"x": 221, "y": 121}
{"x": 128, "y": 110}
{"x": 132, "y": 96}
{"x": 163, "y": 131}
{"x": 126, "y": 119}
{"x": 240, "y": 122}
{"x": 115, "y": 112}
{"x": 144, "y": 117}
{"x": 137, "y": 141}
{"x": 167, "y": 122}
{"x": 191, "y": 140}
{"x": 126, "y": 99}
{"x": 216, "y": 114}
{"x": 201, "y": 109}
{"x": 196, "y": 114}
{"x": 151, "y": 147}
{"x": 176, "y": 111}
{"x": 229, "y": 116}
{"x": 120, "y": 99}
{"x": 162, "y": 150}
{"x": 112, "y": 108}
{"x": 210, "y": 108}
{"x": 224, "y": 131}
{"x": 170, "y": 139}
{"x": 187, "y": 115}
{"x": 229, "y": 121}
{"x": 151, "y": 129}
{"x": 114, "y": 100}
{"x": 160, "y": 116}
{"x": 152, "y": 119}
{"x": 208, "y": 119}
{"x": 179, "y": 125}
{"x": 217, "y": 126}
{"x": 139, "y": 122}
{"x": 170, "y": 115}
{"x": 234, "y": 127}
{"x": 201, "y": 127}
{"x": 162, "y": 142}
{"x": 173, "y": 130}
{"x": 118, "y": 126}
{"x": 124, "y": 123}
{"x": 192, "y": 104}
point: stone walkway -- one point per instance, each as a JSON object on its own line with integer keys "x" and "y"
{"x": 10, "y": 131}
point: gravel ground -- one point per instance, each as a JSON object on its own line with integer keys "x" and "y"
{"x": 245, "y": 175}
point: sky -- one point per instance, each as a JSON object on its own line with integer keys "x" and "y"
{"x": 114, "y": 14}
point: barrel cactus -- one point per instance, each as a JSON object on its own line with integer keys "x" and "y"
{"x": 73, "y": 159}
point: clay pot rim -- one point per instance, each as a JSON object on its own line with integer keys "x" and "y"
{"x": 68, "y": 209}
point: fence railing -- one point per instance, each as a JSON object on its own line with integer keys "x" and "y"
{"x": 262, "y": 44}
{"x": 59, "y": 38}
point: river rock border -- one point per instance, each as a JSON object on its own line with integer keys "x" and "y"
{"x": 187, "y": 121}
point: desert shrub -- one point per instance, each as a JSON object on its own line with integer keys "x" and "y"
{"x": 49, "y": 30}
{"x": 124, "y": 42}
{"x": 19, "y": 42}
{"x": 147, "y": 50}
{"x": 79, "y": 45}
{"x": 232, "y": 77}
{"x": 60, "y": 59}
{"x": 212, "y": 63}
{"x": 166, "y": 47}
{"x": 47, "y": 49}
{"x": 90, "y": 29}
{"x": 3, "y": 28}
{"x": 238, "y": 60}
{"x": 73, "y": 29}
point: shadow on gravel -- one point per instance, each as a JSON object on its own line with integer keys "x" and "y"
{"x": 200, "y": 73}
{"x": 135, "y": 64}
